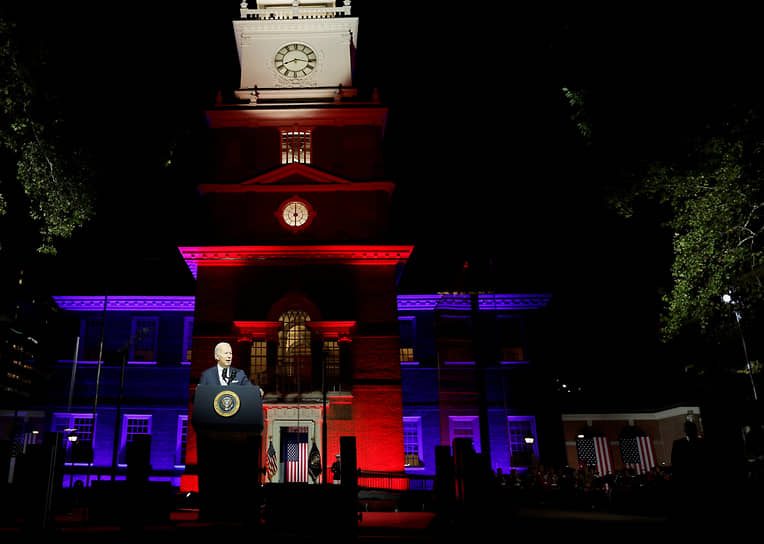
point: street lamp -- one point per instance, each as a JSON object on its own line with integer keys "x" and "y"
{"x": 727, "y": 299}
{"x": 529, "y": 453}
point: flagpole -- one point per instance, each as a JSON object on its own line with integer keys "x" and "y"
{"x": 98, "y": 379}
{"x": 323, "y": 417}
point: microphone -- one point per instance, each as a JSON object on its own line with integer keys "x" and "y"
{"x": 233, "y": 375}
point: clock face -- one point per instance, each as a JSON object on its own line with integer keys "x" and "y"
{"x": 295, "y": 60}
{"x": 295, "y": 213}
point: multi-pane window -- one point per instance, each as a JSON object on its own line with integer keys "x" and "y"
{"x": 295, "y": 146}
{"x": 81, "y": 425}
{"x": 407, "y": 335}
{"x": 294, "y": 358}
{"x": 188, "y": 336}
{"x": 331, "y": 352}
{"x": 465, "y": 427}
{"x": 412, "y": 441}
{"x": 133, "y": 425}
{"x": 519, "y": 428}
{"x": 258, "y": 362}
{"x": 407, "y": 355}
{"x": 91, "y": 338}
{"x": 143, "y": 339}
{"x": 180, "y": 444}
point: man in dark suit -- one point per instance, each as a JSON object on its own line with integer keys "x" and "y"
{"x": 223, "y": 373}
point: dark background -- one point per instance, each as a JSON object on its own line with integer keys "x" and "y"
{"x": 489, "y": 167}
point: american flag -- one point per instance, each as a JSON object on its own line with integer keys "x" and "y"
{"x": 638, "y": 453}
{"x": 297, "y": 457}
{"x": 595, "y": 452}
{"x": 272, "y": 465}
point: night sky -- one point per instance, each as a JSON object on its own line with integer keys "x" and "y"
{"x": 488, "y": 166}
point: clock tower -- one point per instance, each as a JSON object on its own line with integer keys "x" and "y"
{"x": 295, "y": 266}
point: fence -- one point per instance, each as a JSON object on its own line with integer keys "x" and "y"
{"x": 396, "y": 481}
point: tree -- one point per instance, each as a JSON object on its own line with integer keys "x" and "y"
{"x": 712, "y": 200}
{"x": 52, "y": 179}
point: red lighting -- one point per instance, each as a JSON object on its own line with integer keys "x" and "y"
{"x": 379, "y": 255}
{"x": 333, "y": 329}
{"x": 257, "y": 329}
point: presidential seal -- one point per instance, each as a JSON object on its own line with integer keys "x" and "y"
{"x": 226, "y": 403}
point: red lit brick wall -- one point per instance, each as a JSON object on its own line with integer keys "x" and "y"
{"x": 378, "y": 417}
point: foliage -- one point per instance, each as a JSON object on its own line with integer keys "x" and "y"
{"x": 54, "y": 177}
{"x": 579, "y": 116}
{"x": 713, "y": 200}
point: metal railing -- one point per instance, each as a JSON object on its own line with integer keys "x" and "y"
{"x": 294, "y": 12}
{"x": 394, "y": 481}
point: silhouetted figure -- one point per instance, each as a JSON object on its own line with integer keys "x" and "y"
{"x": 337, "y": 470}
{"x": 689, "y": 467}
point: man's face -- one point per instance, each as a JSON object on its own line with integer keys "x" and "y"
{"x": 224, "y": 355}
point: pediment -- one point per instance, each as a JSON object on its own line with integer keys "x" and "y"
{"x": 296, "y": 174}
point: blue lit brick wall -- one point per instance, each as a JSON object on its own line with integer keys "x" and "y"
{"x": 159, "y": 390}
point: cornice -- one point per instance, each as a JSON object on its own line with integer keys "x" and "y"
{"x": 328, "y": 115}
{"x": 463, "y": 302}
{"x": 207, "y": 188}
{"x": 247, "y": 29}
{"x": 116, "y": 303}
{"x": 382, "y": 255}
{"x": 258, "y": 329}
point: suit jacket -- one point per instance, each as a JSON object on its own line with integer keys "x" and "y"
{"x": 210, "y": 377}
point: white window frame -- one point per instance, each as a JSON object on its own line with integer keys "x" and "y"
{"x": 68, "y": 421}
{"x": 181, "y": 441}
{"x": 123, "y": 435}
{"x": 417, "y": 422}
{"x": 531, "y": 420}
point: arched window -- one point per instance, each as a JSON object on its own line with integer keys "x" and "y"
{"x": 294, "y": 354}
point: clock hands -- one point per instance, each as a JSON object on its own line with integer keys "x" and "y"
{"x": 296, "y": 214}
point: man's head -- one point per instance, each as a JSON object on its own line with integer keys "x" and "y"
{"x": 223, "y": 354}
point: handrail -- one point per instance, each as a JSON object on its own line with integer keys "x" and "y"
{"x": 397, "y": 481}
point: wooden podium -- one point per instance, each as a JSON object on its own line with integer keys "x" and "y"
{"x": 228, "y": 421}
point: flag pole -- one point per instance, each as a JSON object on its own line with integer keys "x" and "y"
{"x": 323, "y": 417}
{"x": 98, "y": 376}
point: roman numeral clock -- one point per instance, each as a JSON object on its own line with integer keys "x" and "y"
{"x": 279, "y": 53}
{"x": 295, "y": 61}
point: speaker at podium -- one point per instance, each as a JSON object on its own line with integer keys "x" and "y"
{"x": 226, "y": 408}
{"x": 228, "y": 421}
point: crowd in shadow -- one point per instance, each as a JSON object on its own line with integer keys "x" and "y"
{"x": 625, "y": 490}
